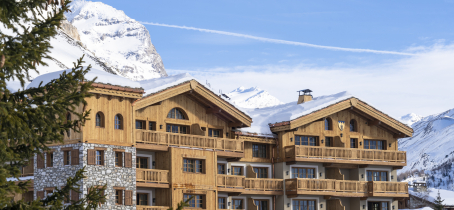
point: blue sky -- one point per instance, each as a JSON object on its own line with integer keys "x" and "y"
{"x": 424, "y": 28}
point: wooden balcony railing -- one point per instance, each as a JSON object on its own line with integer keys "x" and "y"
{"x": 152, "y": 175}
{"x": 187, "y": 140}
{"x": 230, "y": 181}
{"x": 264, "y": 184}
{"x": 138, "y": 207}
{"x": 297, "y": 151}
{"x": 340, "y": 187}
{"x": 28, "y": 170}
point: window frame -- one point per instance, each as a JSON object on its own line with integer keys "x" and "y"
{"x": 146, "y": 195}
{"x": 380, "y": 175}
{"x": 152, "y": 126}
{"x": 233, "y": 170}
{"x": 260, "y": 150}
{"x": 139, "y": 162}
{"x": 241, "y": 206}
{"x": 179, "y": 128}
{"x": 368, "y": 144}
{"x": 211, "y": 132}
{"x": 198, "y": 201}
{"x": 260, "y": 207}
{"x": 118, "y": 122}
{"x": 142, "y": 123}
{"x": 261, "y": 171}
{"x": 101, "y": 120}
{"x": 328, "y": 124}
{"x": 192, "y": 165}
{"x": 175, "y": 112}
{"x": 223, "y": 165}
{"x": 299, "y": 140}
{"x": 119, "y": 197}
{"x": 354, "y": 141}
{"x": 119, "y": 157}
{"x": 355, "y": 125}
{"x": 301, "y": 207}
{"x": 101, "y": 155}
{"x": 329, "y": 141}
{"x": 306, "y": 172}
{"x": 224, "y": 203}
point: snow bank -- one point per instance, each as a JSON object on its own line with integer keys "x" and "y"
{"x": 290, "y": 111}
{"x": 102, "y": 77}
{"x": 432, "y": 194}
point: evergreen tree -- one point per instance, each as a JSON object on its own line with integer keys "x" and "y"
{"x": 439, "y": 202}
{"x": 33, "y": 118}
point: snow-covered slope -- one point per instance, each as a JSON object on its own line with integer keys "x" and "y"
{"x": 116, "y": 39}
{"x": 410, "y": 119}
{"x": 252, "y": 98}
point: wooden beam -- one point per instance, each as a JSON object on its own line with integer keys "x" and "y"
{"x": 373, "y": 122}
{"x": 363, "y": 166}
{"x": 122, "y": 98}
{"x": 234, "y": 193}
{"x": 399, "y": 135}
{"x": 237, "y": 124}
{"x": 327, "y": 197}
{"x": 214, "y": 110}
{"x": 98, "y": 95}
{"x": 225, "y": 115}
{"x": 363, "y": 198}
{"x": 397, "y": 167}
{"x": 109, "y": 97}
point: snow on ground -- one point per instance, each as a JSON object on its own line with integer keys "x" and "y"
{"x": 102, "y": 77}
{"x": 432, "y": 194}
{"x": 289, "y": 111}
{"x": 252, "y": 98}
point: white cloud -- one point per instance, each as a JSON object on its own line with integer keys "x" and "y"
{"x": 422, "y": 84}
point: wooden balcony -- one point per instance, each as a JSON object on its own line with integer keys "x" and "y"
{"x": 152, "y": 178}
{"x": 138, "y": 207}
{"x": 160, "y": 141}
{"x": 345, "y": 155}
{"x": 344, "y": 188}
{"x": 242, "y": 185}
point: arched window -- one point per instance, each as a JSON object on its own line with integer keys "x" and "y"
{"x": 118, "y": 121}
{"x": 328, "y": 124}
{"x": 353, "y": 126}
{"x": 100, "y": 119}
{"x": 177, "y": 114}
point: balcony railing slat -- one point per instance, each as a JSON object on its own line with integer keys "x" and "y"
{"x": 152, "y": 175}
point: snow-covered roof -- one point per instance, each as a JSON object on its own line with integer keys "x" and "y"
{"x": 152, "y": 86}
{"x": 102, "y": 77}
{"x": 289, "y": 111}
{"x": 432, "y": 194}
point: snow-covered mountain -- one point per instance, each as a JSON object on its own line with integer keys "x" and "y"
{"x": 116, "y": 39}
{"x": 252, "y": 98}
{"x": 410, "y": 119}
{"x": 431, "y": 148}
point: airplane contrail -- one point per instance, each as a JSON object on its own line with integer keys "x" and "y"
{"x": 279, "y": 41}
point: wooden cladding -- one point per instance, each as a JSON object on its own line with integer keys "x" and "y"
{"x": 40, "y": 161}
{"x": 74, "y": 196}
{"x": 258, "y": 184}
{"x": 91, "y": 157}
{"x": 152, "y": 175}
{"x": 75, "y": 157}
{"x": 40, "y": 195}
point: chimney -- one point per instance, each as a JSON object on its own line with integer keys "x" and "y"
{"x": 305, "y": 97}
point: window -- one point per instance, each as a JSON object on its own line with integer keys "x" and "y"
{"x": 259, "y": 150}
{"x": 298, "y": 172}
{"x": 374, "y": 144}
{"x": 196, "y": 202}
{"x": 237, "y": 170}
{"x": 261, "y": 204}
{"x": 353, "y": 126}
{"x": 99, "y": 157}
{"x": 328, "y": 124}
{"x": 119, "y": 197}
{"x": 261, "y": 172}
{"x": 119, "y": 159}
{"x": 222, "y": 203}
{"x": 377, "y": 176}
{"x": 221, "y": 168}
{"x": 193, "y": 165}
{"x": 214, "y": 133}
{"x": 100, "y": 119}
{"x": 377, "y": 205}
{"x": 118, "y": 122}
{"x": 353, "y": 143}
{"x": 303, "y": 204}
{"x": 142, "y": 162}
{"x": 237, "y": 203}
{"x": 142, "y": 199}
{"x": 306, "y": 140}
{"x": 152, "y": 126}
{"x": 177, "y": 129}
{"x": 50, "y": 159}
{"x": 176, "y": 114}
{"x": 329, "y": 141}
{"x": 67, "y": 157}
{"x": 140, "y": 124}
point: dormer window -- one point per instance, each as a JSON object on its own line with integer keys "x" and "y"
{"x": 328, "y": 124}
{"x": 176, "y": 113}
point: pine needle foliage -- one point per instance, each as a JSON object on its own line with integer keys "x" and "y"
{"x": 438, "y": 203}
{"x": 32, "y": 118}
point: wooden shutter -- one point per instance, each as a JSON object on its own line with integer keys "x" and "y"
{"x": 48, "y": 159}
{"x": 39, "y": 161}
{"x": 128, "y": 197}
{"x": 128, "y": 160}
{"x": 91, "y": 158}
{"x": 120, "y": 197}
{"x": 75, "y": 157}
{"x": 40, "y": 195}
{"x": 74, "y": 196}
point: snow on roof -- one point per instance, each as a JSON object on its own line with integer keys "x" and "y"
{"x": 289, "y": 111}
{"x": 25, "y": 178}
{"x": 432, "y": 194}
{"x": 103, "y": 77}
{"x": 152, "y": 86}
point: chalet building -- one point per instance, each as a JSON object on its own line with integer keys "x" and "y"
{"x": 157, "y": 143}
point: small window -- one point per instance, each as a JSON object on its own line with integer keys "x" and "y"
{"x": 142, "y": 199}
{"x": 353, "y": 126}
{"x": 329, "y": 142}
{"x": 261, "y": 204}
{"x": 118, "y": 122}
{"x": 177, "y": 129}
{"x": 119, "y": 197}
{"x": 119, "y": 159}
{"x": 50, "y": 159}
{"x": 222, "y": 203}
{"x": 100, "y": 157}
{"x": 142, "y": 162}
{"x": 259, "y": 150}
{"x": 377, "y": 176}
{"x": 152, "y": 126}
{"x": 353, "y": 143}
{"x": 197, "y": 202}
{"x": 237, "y": 170}
{"x": 328, "y": 124}
{"x": 304, "y": 204}
{"x": 176, "y": 114}
{"x": 237, "y": 203}
{"x": 306, "y": 140}
{"x": 193, "y": 165}
{"x": 214, "y": 133}
{"x": 261, "y": 172}
{"x": 67, "y": 157}
{"x": 299, "y": 172}
{"x": 374, "y": 144}
{"x": 140, "y": 124}
{"x": 221, "y": 168}
{"x": 100, "y": 120}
